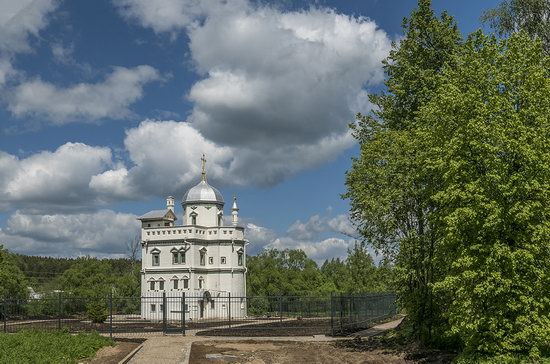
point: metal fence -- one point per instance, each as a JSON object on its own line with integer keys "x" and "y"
{"x": 351, "y": 313}
{"x": 200, "y": 314}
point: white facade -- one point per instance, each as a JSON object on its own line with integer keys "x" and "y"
{"x": 200, "y": 257}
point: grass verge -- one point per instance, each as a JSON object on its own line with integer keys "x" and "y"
{"x": 35, "y": 346}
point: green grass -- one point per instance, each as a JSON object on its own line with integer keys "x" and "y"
{"x": 35, "y": 346}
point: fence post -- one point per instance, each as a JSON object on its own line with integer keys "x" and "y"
{"x": 4, "y": 313}
{"x": 331, "y": 315}
{"x": 111, "y": 314}
{"x": 229, "y": 309}
{"x": 183, "y": 314}
{"x": 59, "y": 311}
{"x": 341, "y": 313}
{"x": 280, "y": 308}
{"x": 164, "y": 328}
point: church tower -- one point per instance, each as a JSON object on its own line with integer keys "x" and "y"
{"x": 201, "y": 257}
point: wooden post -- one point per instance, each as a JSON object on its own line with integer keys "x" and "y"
{"x": 280, "y": 308}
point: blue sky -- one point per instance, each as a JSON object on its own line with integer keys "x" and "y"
{"x": 107, "y": 106}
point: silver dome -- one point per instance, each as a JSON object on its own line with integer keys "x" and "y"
{"x": 203, "y": 192}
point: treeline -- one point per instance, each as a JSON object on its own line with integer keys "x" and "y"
{"x": 273, "y": 272}
{"x": 291, "y": 272}
{"x": 78, "y": 277}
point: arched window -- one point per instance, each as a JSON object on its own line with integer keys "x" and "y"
{"x": 155, "y": 255}
{"x": 185, "y": 282}
{"x": 240, "y": 257}
{"x": 201, "y": 282}
{"x": 202, "y": 256}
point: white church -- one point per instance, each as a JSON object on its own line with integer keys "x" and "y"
{"x": 201, "y": 257}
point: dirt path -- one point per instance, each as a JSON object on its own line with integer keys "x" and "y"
{"x": 258, "y": 350}
{"x": 286, "y": 352}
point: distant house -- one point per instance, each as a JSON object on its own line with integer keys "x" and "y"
{"x": 201, "y": 257}
{"x": 33, "y": 294}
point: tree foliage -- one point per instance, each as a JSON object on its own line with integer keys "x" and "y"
{"x": 531, "y": 16}
{"x": 291, "y": 272}
{"x": 486, "y": 132}
{"x": 453, "y": 184}
{"x": 388, "y": 187}
{"x": 13, "y": 283}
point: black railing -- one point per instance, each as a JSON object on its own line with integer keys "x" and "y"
{"x": 208, "y": 313}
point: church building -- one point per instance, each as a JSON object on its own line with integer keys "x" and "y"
{"x": 201, "y": 256}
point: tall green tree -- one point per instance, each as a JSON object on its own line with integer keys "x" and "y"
{"x": 13, "y": 283}
{"x": 388, "y": 187}
{"x": 362, "y": 270}
{"x": 486, "y": 132}
{"x": 531, "y": 16}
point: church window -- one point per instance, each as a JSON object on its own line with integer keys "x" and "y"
{"x": 182, "y": 257}
{"x": 203, "y": 257}
{"x": 148, "y": 225}
{"x": 156, "y": 259}
{"x": 240, "y": 259}
{"x": 166, "y": 224}
{"x": 175, "y": 284}
{"x": 193, "y": 220}
{"x": 224, "y": 260}
{"x": 219, "y": 220}
{"x": 153, "y": 308}
{"x": 210, "y": 260}
{"x": 185, "y": 283}
{"x": 152, "y": 285}
{"x": 201, "y": 280}
{"x": 161, "y": 286}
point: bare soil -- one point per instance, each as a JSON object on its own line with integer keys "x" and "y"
{"x": 259, "y": 352}
{"x": 296, "y": 327}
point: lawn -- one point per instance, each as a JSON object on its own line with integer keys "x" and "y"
{"x": 35, "y": 346}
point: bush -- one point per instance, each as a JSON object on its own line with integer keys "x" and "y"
{"x": 97, "y": 310}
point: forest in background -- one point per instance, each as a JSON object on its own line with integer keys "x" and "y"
{"x": 273, "y": 272}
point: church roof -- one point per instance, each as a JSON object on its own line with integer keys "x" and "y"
{"x": 203, "y": 192}
{"x": 156, "y": 215}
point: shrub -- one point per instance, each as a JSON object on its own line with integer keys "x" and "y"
{"x": 97, "y": 310}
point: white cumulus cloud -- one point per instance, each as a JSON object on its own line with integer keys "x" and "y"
{"x": 101, "y": 233}
{"x": 56, "y": 180}
{"x": 110, "y": 98}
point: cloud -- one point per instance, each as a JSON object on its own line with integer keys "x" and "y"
{"x": 276, "y": 91}
{"x": 102, "y": 233}
{"x": 316, "y": 250}
{"x": 19, "y": 20}
{"x": 56, "y": 180}
{"x": 166, "y": 158}
{"x": 173, "y": 15}
{"x": 317, "y": 224}
{"x": 320, "y": 237}
{"x": 109, "y": 99}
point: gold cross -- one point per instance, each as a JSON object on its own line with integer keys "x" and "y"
{"x": 203, "y": 160}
